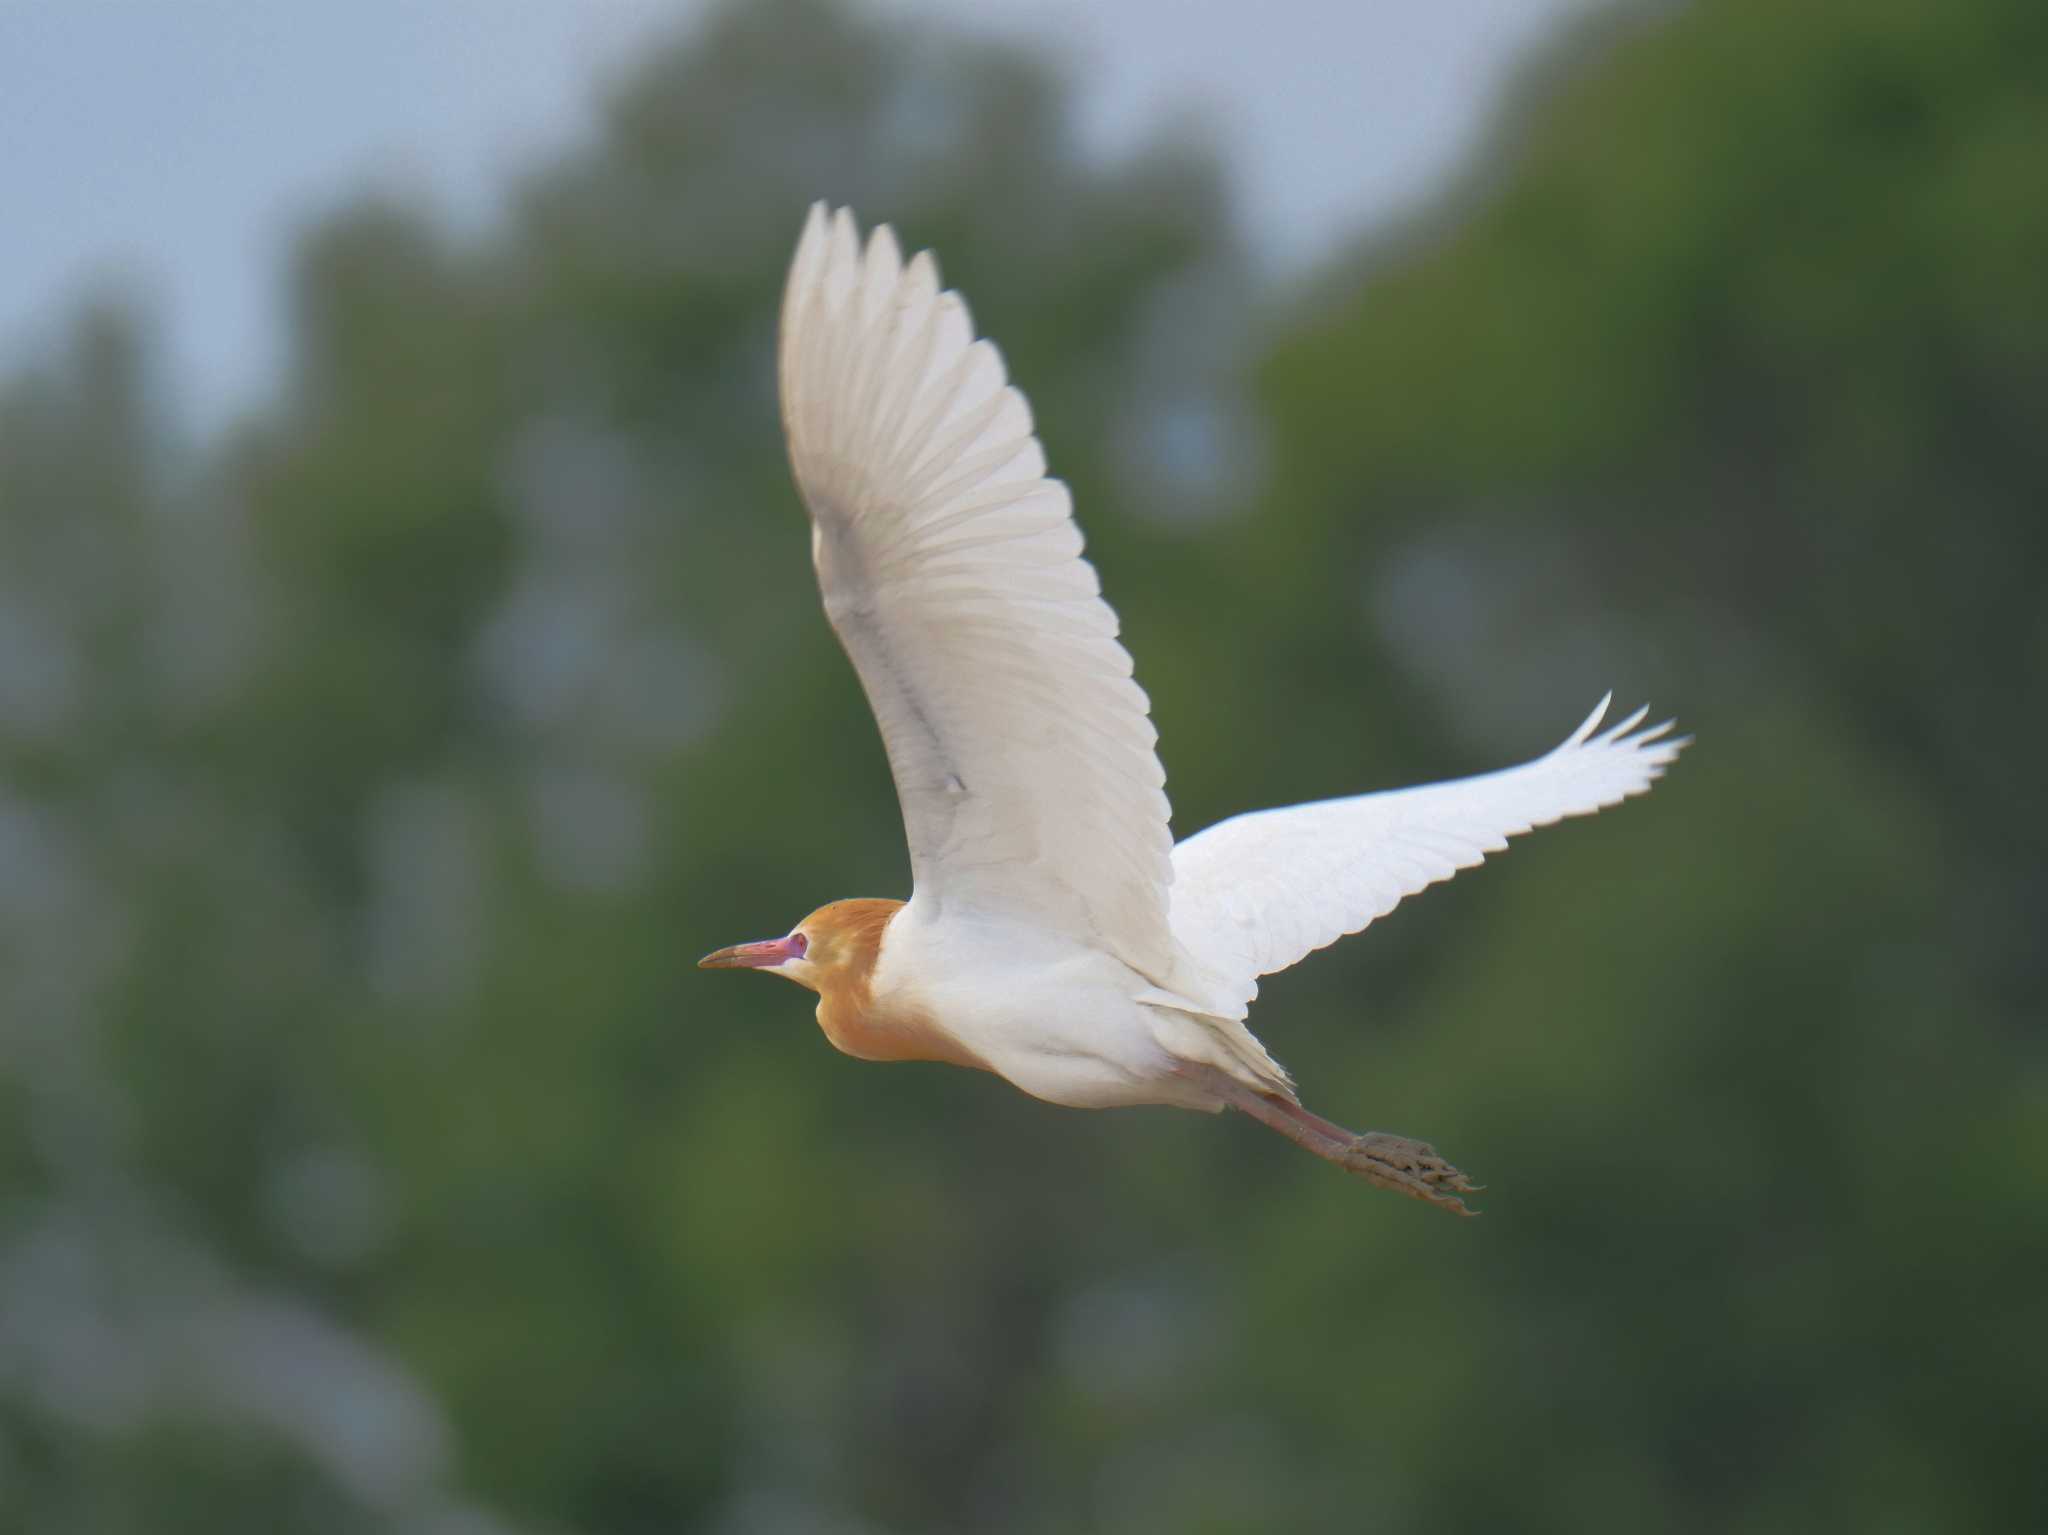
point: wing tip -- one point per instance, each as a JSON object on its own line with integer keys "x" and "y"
{"x": 1649, "y": 740}
{"x": 883, "y": 248}
{"x": 838, "y": 226}
{"x": 1629, "y": 756}
{"x": 1591, "y": 721}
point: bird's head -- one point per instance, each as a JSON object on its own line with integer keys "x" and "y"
{"x": 834, "y": 947}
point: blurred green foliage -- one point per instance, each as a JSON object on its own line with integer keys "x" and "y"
{"x": 370, "y": 779}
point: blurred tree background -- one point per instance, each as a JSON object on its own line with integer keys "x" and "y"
{"x": 370, "y": 779}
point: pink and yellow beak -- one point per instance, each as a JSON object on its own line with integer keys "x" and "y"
{"x": 756, "y": 956}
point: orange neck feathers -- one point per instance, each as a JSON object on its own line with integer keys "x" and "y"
{"x": 845, "y": 943}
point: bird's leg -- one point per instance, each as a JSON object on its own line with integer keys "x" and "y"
{"x": 1386, "y": 1161}
{"x": 1394, "y": 1162}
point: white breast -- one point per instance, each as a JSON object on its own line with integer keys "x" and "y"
{"x": 1057, "y": 1019}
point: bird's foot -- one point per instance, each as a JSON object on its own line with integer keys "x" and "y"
{"x": 1407, "y": 1167}
{"x": 1386, "y": 1161}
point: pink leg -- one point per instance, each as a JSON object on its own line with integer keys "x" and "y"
{"x": 1386, "y": 1161}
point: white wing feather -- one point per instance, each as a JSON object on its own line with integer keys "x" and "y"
{"x": 952, "y": 571}
{"x": 1256, "y": 893}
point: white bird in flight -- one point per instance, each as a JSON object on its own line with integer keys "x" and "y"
{"x": 1056, "y": 935}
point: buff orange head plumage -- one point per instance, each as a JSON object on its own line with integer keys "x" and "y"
{"x": 834, "y": 948}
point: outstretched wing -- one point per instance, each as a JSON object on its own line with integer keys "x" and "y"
{"x": 952, "y": 570}
{"x": 1256, "y": 893}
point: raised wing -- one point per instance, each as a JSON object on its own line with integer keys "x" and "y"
{"x": 951, "y": 569}
{"x": 1256, "y": 893}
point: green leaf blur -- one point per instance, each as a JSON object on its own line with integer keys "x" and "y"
{"x": 371, "y": 777}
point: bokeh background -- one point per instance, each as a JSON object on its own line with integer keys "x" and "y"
{"x": 384, "y": 735}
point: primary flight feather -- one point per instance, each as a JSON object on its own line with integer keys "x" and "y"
{"x": 1055, "y": 935}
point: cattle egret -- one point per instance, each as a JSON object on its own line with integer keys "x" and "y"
{"x": 1056, "y": 935}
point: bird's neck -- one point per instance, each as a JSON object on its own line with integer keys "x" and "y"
{"x": 884, "y": 1027}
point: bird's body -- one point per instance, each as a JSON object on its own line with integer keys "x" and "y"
{"x": 1052, "y": 1014}
{"x": 1056, "y": 935}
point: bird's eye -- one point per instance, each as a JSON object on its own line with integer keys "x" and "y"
{"x": 799, "y": 944}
